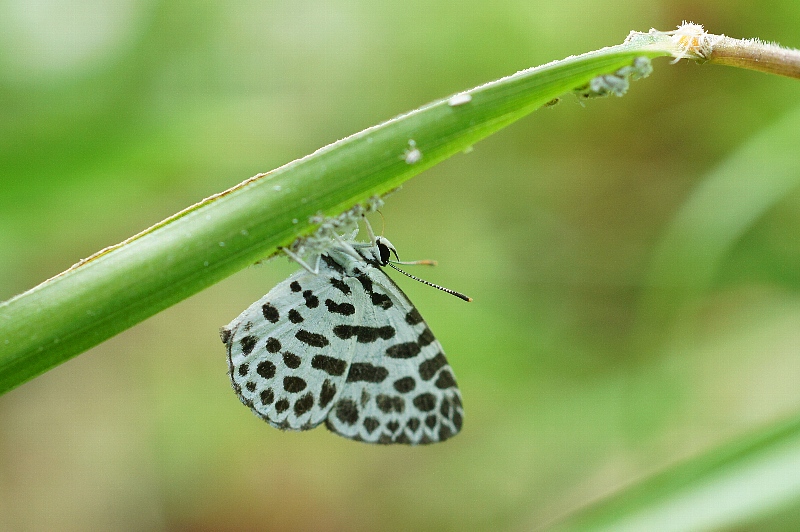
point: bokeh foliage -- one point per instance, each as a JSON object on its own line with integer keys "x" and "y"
{"x": 115, "y": 116}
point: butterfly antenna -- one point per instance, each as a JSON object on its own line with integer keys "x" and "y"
{"x": 442, "y": 288}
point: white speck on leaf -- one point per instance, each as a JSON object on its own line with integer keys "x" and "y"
{"x": 459, "y": 99}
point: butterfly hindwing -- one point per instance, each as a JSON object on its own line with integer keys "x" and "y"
{"x": 284, "y": 362}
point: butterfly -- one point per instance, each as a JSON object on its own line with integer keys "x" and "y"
{"x": 342, "y": 344}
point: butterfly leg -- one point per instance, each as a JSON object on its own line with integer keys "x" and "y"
{"x": 346, "y": 247}
{"x": 370, "y": 232}
{"x": 295, "y": 257}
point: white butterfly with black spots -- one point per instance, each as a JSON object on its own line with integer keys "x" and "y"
{"x": 341, "y": 343}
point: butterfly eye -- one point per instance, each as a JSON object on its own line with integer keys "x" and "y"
{"x": 384, "y": 251}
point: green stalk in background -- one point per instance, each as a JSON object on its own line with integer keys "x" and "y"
{"x": 728, "y": 486}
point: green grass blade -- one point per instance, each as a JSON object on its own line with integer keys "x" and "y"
{"x": 194, "y": 249}
{"x": 737, "y": 483}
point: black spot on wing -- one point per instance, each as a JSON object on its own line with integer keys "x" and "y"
{"x": 304, "y": 404}
{"x": 386, "y": 332}
{"x": 243, "y": 369}
{"x": 312, "y": 339}
{"x": 445, "y": 408}
{"x": 366, "y": 283}
{"x": 364, "y": 372}
{"x": 266, "y": 369}
{"x": 347, "y": 411}
{"x": 267, "y": 396}
{"x": 295, "y": 286}
{"x": 281, "y": 406}
{"x": 330, "y": 365}
{"x": 429, "y": 368}
{"x": 405, "y": 385}
{"x": 291, "y": 360}
{"x": 294, "y": 384}
{"x": 425, "y": 402}
{"x": 381, "y": 300}
{"x": 425, "y": 338}
{"x": 444, "y": 432}
{"x": 345, "y": 309}
{"x": 327, "y": 393}
{"x": 413, "y": 424}
{"x": 413, "y": 317}
{"x": 271, "y": 313}
{"x": 273, "y": 345}
{"x": 340, "y": 285}
{"x": 390, "y": 403}
{"x": 445, "y": 380}
{"x": 404, "y": 350}
{"x": 457, "y": 420}
{"x": 295, "y": 316}
{"x": 430, "y": 421}
{"x": 251, "y": 386}
{"x": 363, "y": 333}
{"x": 370, "y": 423}
{"x": 312, "y": 301}
{"x": 392, "y": 426}
{"x": 248, "y": 343}
{"x": 332, "y": 264}
{"x": 457, "y": 400}
{"x": 365, "y": 397}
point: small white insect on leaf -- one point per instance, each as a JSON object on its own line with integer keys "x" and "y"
{"x": 616, "y": 83}
{"x": 340, "y": 343}
{"x": 609, "y": 84}
{"x": 412, "y": 155}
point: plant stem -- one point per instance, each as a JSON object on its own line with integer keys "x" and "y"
{"x": 756, "y": 55}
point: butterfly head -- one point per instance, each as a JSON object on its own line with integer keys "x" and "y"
{"x": 384, "y": 250}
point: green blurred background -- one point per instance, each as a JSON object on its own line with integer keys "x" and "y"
{"x": 579, "y": 374}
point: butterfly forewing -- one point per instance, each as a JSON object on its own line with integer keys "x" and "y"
{"x": 401, "y": 389}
